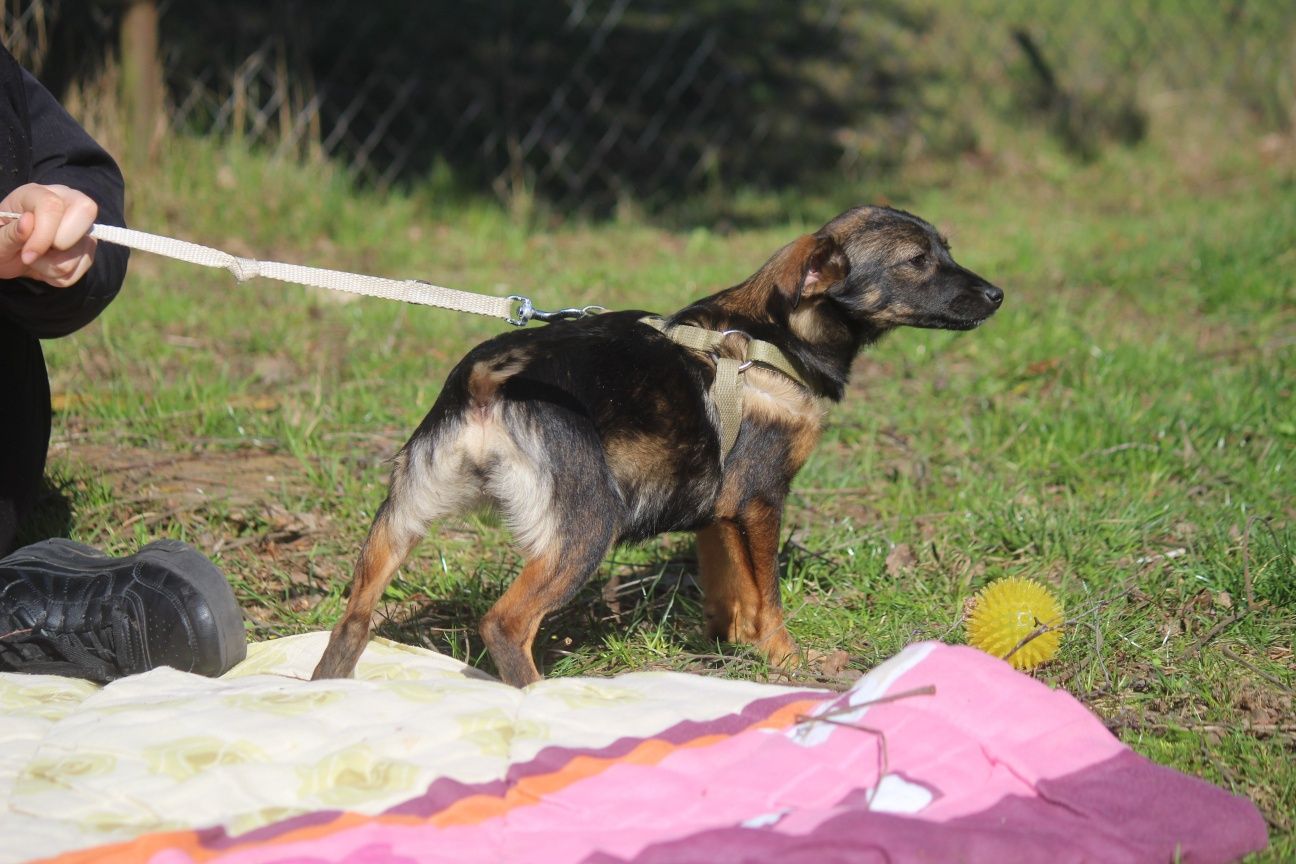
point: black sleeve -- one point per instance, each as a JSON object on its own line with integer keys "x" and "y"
{"x": 63, "y": 153}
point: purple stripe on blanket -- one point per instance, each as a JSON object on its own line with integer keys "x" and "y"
{"x": 552, "y": 759}
{"x": 1126, "y": 810}
{"x": 444, "y": 792}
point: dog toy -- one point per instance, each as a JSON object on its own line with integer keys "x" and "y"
{"x": 1007, "y": 611}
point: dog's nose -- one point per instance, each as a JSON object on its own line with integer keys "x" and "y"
{"x": 993, "y": 294}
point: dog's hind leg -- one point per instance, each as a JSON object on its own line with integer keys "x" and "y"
{"x": 428, "y": 482}
{"x": 381, "y": 554}
{"x": 557, "y": 497}
{"x": 547, "y": 581}
{"x": 738, "y": 569}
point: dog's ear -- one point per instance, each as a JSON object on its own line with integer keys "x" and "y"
{"x": 808, "y": 266}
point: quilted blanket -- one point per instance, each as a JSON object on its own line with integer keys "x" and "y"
{"x": 940, "y": 754}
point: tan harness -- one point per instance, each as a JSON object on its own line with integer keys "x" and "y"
{"x": 727, "y": 388}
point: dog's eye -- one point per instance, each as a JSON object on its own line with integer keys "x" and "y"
{"x": 919, "y": 260}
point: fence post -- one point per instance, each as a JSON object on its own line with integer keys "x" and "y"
{"x": 141, "y": 79}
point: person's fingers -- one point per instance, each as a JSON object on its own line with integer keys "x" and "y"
{"x": 50, "y": 241}
{"x": 47, "y": 206}
{"x": 64, "y": 267}
{"x": 14, "y": 233}
{"x": 79, "y": 214}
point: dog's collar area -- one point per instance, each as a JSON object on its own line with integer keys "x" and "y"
{"x": 727, "y": 388}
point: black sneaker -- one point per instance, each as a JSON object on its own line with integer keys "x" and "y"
{"x": 67, "y": 609}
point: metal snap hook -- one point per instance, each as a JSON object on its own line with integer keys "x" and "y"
{"x": 571, "y": 313}
{"x": 526, "y": 311}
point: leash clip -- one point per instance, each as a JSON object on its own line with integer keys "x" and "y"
{"x": 526, "y": 311}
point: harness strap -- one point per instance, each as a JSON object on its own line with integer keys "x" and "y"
{"x": 727, "y": 393}
{"x": 727, "y": 388}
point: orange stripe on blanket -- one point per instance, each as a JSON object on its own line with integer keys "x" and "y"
{"x": 471, "y": 810}
{"x": 185, "y": 841}
{"x": 530, "y": 790}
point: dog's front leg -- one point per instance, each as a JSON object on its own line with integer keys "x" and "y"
{"x": 738, "y": 569}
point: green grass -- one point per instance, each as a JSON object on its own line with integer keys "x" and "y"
{"x": 1122, "y": 430}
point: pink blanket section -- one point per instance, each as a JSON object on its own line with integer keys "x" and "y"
{"x": 988, "y": 759}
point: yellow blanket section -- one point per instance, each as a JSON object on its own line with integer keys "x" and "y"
{"x": 82, "y": 765}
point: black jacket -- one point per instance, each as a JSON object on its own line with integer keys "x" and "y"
{"x": 41, "y": 143}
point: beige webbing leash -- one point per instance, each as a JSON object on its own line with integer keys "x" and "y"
{"x": 726, "y": 390}
{"x": 514, "y": 309}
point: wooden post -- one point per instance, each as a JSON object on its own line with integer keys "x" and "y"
{"x": 141, "y": 80}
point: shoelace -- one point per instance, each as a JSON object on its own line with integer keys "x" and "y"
{"x": 79, "y": 652}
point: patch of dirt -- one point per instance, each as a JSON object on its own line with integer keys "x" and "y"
{"x": 238, "y": 478}
{"x": 1263, "y": 706}
{"x": 229, "y": 504}
{"x": 226, "y": 500}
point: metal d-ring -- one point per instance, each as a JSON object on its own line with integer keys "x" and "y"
{"x": 746, "y": 364}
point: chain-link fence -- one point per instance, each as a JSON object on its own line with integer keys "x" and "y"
{"x": 592, "y": 102}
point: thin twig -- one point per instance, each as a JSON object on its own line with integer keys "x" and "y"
{"x": 1098, "y": 646}
{"x": 809, "y": 553}
{"x": 884, "y": 761}
{"x": 1035, "y": 634}
{"x": 840, "y": 490}
{"x": 1012, "y": 438}
{"x": 830, "y": 717}
{"x": 1244, "y": 727}
{"x": 1129, "y": 445}
{"x": 1162, "y": 556}
{"x": 1256, "y": 669}
{"x": 925, "y": 690}
{"x": 1220, "y": 626}
{"x": 1246, "y": 562}
{"x": 723, "y": 659}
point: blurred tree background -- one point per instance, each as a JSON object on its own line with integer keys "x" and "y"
{"x": 656, "y": 106}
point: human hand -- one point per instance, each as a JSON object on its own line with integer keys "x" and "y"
{"x": 50, "y": 242}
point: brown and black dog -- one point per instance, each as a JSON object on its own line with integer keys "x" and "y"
{"x": 589, "y": 433}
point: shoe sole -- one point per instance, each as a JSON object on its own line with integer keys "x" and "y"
{"x": 176, "y": 557}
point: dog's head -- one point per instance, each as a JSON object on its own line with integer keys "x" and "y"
{"x": 883, "y": 269}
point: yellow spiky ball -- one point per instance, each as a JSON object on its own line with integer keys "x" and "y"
{"x": 1006, "y": 612}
